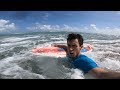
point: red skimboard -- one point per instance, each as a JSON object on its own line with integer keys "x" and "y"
{"x": 57, "y": 52}
{"x": 49, "y": 51}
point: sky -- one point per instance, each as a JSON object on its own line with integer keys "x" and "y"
{"x": 105, "y": 22}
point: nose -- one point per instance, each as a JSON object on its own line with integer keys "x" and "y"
{"x": 70, "y": 48}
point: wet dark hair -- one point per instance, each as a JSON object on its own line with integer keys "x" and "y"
{"x": 75, "y": 36}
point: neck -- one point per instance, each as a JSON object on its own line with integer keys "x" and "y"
{"x": 76, "y": 57}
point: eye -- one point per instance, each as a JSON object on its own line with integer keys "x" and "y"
{"x": 68, "y": 45}
{"x": 74, "y": 46}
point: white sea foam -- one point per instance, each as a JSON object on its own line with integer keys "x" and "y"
{"x": 54, "y": 38}
{"x": 17, "y": 39}
{"x": 17, "y": 72}
{"x": 103, "y": 41}
{"x": 77, "y": 74}
{"x": 105, "y": 53}
{"x": 110, "y": 64}
{"x": 15, "y": 43}
{"x": 9, "y": 68}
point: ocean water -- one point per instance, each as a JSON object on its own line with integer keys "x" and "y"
{"x": 18, "y": 62}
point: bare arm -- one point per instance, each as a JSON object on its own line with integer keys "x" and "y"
{"x": 104, "y": 74}
{"x": 61, "y": 46}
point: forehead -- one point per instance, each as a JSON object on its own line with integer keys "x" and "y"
{"x": 74, "y": 41}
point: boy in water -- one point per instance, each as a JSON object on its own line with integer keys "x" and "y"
{"x": 82, "y": 62}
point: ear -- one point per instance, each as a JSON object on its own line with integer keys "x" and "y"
{"x": 81, "y": 46}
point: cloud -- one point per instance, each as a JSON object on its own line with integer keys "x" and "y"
{"x": 106, "y": 30}
{"x": 94, "y": 26}
{"x": 6, "y": 26}
{"x": 40, "y": 27}
{"x": 110, "y": 31}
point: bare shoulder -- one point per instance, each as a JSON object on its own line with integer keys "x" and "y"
{"x": 60, "y": 46}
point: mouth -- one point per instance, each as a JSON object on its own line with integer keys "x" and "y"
{"x": 71, "y": 53}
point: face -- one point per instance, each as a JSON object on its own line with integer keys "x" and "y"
{"x": 73, "y": 48}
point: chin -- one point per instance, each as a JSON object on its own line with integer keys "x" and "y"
{"x": 72, "y": 56}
